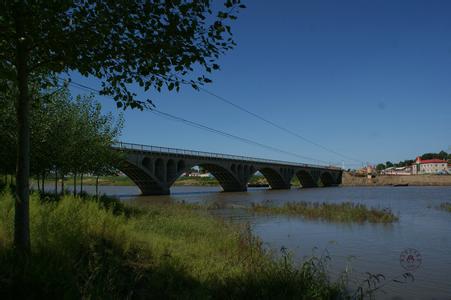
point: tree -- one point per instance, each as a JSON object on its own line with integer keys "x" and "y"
{"x": 380, "y": 167}
{"x": 428, "y": 156}
{"x": 389, "y": 164}
{"x": 153, "y": 43}
{"x": 442, "y": 155}
{"x": 60, "y": 129}
{"x": 94, "y": 135}
{"x": 8, "y": 135}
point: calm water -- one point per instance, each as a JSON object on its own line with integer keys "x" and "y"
{"x": 362, "y": 247}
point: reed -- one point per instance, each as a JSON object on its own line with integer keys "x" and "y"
{"x": 446, "y": 206}
{"x": 337, "y": 212}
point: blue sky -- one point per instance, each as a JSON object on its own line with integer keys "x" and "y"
{"x": 369, "y": 79}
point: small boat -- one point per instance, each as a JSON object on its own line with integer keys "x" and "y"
{"x": 401, "y": 184}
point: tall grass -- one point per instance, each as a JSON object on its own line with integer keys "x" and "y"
{"x": 338, "y": 212}
{"x": 83, "y": 249}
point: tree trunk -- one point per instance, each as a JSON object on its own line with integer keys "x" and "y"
{"x": 97, "y": 187}
{"x": 62, "y": 184}
{"x": 43, "y": 183}
{"x": 56, "y": 182}
{"x": 75, "y": 184}
{"x": 22, "y": 217}
{"x": 81, "y": 184}
{"x": 39, "y": 186}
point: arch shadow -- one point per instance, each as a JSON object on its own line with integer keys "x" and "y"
{"x": 306, "y": 179}
{"x": 145, "y": 181}
{"x": 227, "y": 180}
{"x": 274, "y": 178}
{"x": 327, "y": 179}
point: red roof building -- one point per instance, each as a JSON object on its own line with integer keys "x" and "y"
{"x": 430, "y": 161}
{"x": 430, "y": 166}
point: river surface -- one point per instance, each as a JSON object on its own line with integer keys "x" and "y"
{"x": 360, "y": 248}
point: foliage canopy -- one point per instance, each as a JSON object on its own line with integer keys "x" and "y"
{"x": 152, "y": 43}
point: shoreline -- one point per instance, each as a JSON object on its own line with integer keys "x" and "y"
{"x": 348, "y": 181}
{"x": 387, "y": 180}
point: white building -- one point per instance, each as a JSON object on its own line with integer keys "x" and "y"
{"x": 430, "y": 166}
{"x": 397, "y": 171}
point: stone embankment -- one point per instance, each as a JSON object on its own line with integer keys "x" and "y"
{"x": 415, "y": 180}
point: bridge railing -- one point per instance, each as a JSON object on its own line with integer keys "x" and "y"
{"x": 166, "y": 150}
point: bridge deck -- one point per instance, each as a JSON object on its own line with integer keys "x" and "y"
{"x": 203, "y": 154}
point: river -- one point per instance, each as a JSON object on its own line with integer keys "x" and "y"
{"x": 374, "y": 248}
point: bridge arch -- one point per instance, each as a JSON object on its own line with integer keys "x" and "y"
{"x": 227, "y": 179}
{"x": 144, "y": 179}
{"x": 240, "y": 172}
{"x": 274, "y": 178}
{"x": 181, "y": 166}
{"x": 171, "y": 169}
{"x": 326, "y": 179}
{"x": 252, "y": 170}
{"x": 147, "y": 163}
{"x": 306, "y": 179}
{"x": 159, "y": 169}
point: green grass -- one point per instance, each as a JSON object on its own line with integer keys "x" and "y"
{"x": 196, "y": 181}
{"x": 295, "y": 182}
{"x": 87, "y": 180}
{"x": 446, "y": 206}
{"x": 206, "y": 181}
{"x": 82, "y": 249}
{"x": 341, "y": 212}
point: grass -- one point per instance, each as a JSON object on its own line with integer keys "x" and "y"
{"x": 196, "y": 181}
{"x": 84, "y": 248}
{"x": 446, "y": 206}
{"x": 88, "y": 180}
{"x": 211, "y": 181}
{"x": 337, "y": 212}
{"x": 295, "y": 182}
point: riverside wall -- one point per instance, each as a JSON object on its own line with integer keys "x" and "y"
{"x": 415, "y": 180}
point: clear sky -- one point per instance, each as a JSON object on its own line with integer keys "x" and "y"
{"x": 369, "y": 79}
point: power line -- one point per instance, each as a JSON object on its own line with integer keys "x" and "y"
{"x": 210, "y": 129}
{"x": 223, "y": 133}
{"x": 81, "y": 86}
{"x": 277, "y": 125}
{"x": 258, "y": 117}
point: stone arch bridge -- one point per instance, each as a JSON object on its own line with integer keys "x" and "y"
{"x": 155, "y": 169}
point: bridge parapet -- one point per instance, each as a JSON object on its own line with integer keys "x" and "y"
{"x": 154, "y": 169}
{"x": 184, "y": 152}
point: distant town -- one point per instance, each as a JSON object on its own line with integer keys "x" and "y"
{"x": 426, "y": 164}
